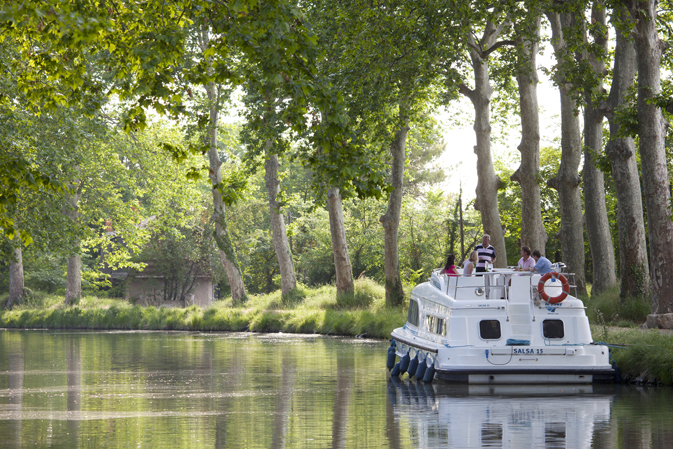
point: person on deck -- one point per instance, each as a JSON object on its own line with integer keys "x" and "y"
{"x": 449, "y": 267}
{"x": 542, "y": 264}
{"x": 469, "y": 264}
{"x": 526, "y": 262}
{"x": 486, "y": 253}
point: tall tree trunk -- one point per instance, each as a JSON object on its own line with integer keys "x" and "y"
{"x": 391, "y": 219}
{"x": 73, "y": 285}
{"x": 652, "y": 134}
{"x": 595, "y": 211}
{"x": 280, "y": 243}
{"x": 226, "y": 249}
{"x": 527, "y": 175}
{"x": 567, "y": 180}
{"x": 342, "y": 262}
{"x": 487, "y": 183}
{"x": 634, "y": 272}
{"x": 16, "y": 283}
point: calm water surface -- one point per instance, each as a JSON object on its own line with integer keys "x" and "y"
{"x": 163, "y": 389}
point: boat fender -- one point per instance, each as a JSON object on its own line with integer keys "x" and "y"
{"x": 390, "y": 363}
{"x": 420, "y": 371}
{"x": 391, "y": 359}
{"x": 396, "y": 370}
{"x": 565, "y": 287}
{"x": 404, "y": 363}
{"x": 618, "y": 372}
{"x": 412, "y": 366}
{"x": 429, "y": 374}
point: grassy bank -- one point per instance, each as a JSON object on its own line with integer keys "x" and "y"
{"x": 643, "y": 355}
{"x": 305, "y": 311}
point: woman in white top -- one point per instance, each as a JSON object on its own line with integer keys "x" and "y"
{"x": 469, "y": 264}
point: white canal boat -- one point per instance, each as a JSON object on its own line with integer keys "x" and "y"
{"x": 499, "y": 327}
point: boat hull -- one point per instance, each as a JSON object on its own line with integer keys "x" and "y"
{"x": 509, "y": 365}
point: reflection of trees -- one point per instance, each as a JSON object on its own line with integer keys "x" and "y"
{"x": 392, "y": 430}
{"x": 74, "y": 381}
{"x": 345, "y": 369}
{"x": 283, "y": 401}
{"x": 236, "y": 370}
{"x": 16, "y": 363}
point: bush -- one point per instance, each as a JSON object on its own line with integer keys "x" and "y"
{"x": 609, "y": 308}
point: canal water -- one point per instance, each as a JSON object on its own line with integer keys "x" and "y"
{"x": 242, "y": 390}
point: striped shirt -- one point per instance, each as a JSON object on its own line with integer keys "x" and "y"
{"x": 485, "y": 255}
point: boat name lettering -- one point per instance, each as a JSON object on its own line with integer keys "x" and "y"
{"x": 528, "y": 351}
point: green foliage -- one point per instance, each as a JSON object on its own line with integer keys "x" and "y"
{"x": 509, "y": 202}
{"x": 646, "y": 357}
{"x": 314, "y": 311}
{"x": 610, "y": 309}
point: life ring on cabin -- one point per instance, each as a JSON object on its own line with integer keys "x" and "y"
{"x": 564, "y": 286}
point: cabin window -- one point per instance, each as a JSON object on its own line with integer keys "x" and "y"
{"x": 553, "y": 329}
{"x": 436, "y": 325}
{"x": 412, "y": 316}
{"x": 490, "y": 330}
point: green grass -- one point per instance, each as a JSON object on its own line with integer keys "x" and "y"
{"x": 304, "y": 310}
{"x": 610, "y": 309}
{"x": 646, "y": 355}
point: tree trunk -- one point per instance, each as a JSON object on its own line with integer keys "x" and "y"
{"x": 226, "y": 249}
{"x": 527, "y": 175}
{"x": 342, "y": 262}
{"x": 391, "y": 219}
{"x": 73, "y": 284}
{"x": 567, "y": 180}
{"x": 634, "y": 272}
{"x": 287, "y": 279}
{"x": 595, "y": 211}
{"x": 487, "y": 183}
{"x": 652, "y": 134}
{"x": 16, "y": 283}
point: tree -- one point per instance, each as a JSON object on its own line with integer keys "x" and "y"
{"x": 488, "y": 183}
{"x": 621, "y": 151}
{"x": 596, "y": 216}
{"x": 567, "y": 180}
{"x": 528, "y": 174}
{"x": 652, "y": 138}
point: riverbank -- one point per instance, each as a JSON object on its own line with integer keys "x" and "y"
{"x": 308, "y": 310}
{"x": 644, "y": 356}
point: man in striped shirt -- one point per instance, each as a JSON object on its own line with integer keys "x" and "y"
{"x": 486, "y": 253}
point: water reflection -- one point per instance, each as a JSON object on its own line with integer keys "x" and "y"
{"x": 162, "y": 389}
{"x": 502, "y": 416}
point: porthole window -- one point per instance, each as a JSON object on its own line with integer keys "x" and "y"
{"x": 553, "y": 329}
{"x": 490, "y": 330}
{"x": 412, "y": 316}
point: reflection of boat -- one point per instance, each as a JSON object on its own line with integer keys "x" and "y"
{"x": 496, "y": 416}
{"x": 501, "y": 327}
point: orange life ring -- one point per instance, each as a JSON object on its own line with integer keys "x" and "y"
{"x": 564, "y": 286}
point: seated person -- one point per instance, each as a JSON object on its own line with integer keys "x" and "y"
{"x": 526, "y": 262}
{"x": 470, "y": 263}
{"x": 449, "y": 267}
{"x": 542, "y": 264}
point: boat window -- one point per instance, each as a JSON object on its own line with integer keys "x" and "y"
{"x": 412, "y": 316}
{"x": 553, "y": 329}
{"x": 436, "y": 325}
{"x": 490, "y": 330}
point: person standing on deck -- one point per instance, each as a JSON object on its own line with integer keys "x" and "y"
{"x": 486, "y": 253}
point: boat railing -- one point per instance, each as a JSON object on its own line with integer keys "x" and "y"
{"x": 496, "y": 284}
